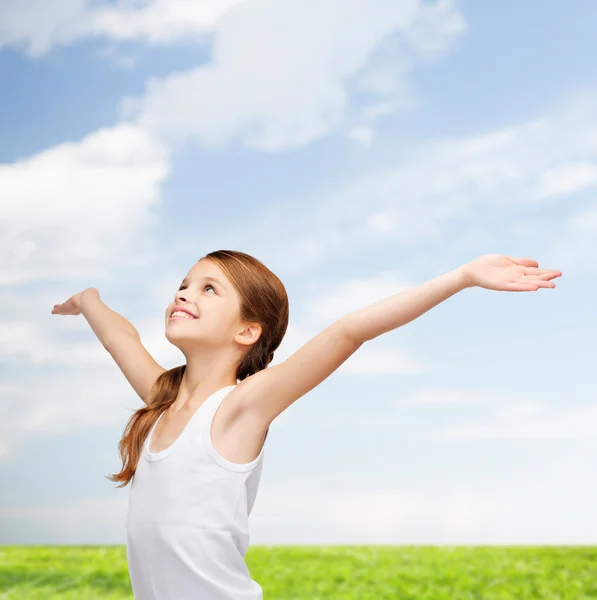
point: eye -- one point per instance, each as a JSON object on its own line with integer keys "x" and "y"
{"x": 183, "y": 286}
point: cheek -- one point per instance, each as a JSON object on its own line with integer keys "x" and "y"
{"x": 218, "y": 322}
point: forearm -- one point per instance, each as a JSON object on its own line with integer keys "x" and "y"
{"x": 105, "y": 323}
{"x": 393, "y": 312}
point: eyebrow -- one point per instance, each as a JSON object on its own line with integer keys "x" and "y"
{"x": 186, "y": 280}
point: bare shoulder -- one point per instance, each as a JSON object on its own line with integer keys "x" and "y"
{"x": 237, "y": 431}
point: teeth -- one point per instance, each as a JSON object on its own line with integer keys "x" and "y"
{"x": 180, "y": 313}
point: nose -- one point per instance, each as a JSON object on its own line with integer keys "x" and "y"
{"x": 182, "y": 297}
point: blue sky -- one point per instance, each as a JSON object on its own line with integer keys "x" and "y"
{"x": 356, "y": 157}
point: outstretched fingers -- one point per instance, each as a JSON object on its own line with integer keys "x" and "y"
{"x": 544, "y": 274}
{"x": 515, "y": 286}
{"x": 529, "y": 284}
{"x": 526, "y": 262}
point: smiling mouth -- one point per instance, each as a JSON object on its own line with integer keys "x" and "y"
{"x": 182, "y": 315}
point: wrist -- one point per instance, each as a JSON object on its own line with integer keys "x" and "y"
{"x": 464, "y": 277}
{"x": 85, "y": 294}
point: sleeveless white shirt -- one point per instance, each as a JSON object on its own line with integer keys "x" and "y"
{"x": 187, "y": 521}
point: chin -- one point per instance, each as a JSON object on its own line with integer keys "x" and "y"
{"x": 175, "y": 337}
{"x": 181, "y": 336}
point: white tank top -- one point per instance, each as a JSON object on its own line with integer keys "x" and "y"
{"x": 187, "y": 520}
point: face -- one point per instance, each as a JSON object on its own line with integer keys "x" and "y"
{"x": 214, "y": 307}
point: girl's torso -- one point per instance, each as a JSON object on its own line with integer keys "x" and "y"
{"x": 187, "y": 521}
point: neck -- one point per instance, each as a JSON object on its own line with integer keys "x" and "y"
{"x": 206, "y": 372}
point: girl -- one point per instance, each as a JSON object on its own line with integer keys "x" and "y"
{"x": 194, "y": 453}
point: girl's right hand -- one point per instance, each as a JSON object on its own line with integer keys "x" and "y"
{"x": 71, "y": 307}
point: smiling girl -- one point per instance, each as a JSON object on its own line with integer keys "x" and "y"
{"x": 194, "y": 453}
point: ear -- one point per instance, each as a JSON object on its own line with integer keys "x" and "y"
{"x": 249, "y": 335}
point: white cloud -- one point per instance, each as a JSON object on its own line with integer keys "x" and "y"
{"x": 263, "y": 85}
{"x": 102, "y": 509}
{"x": 79, "y": 205}
{"x": 524, "y": 409}
{"x": 477, "y": 180}
{"x": 573, "y": 246}
{"x": 92, "y": 520}
{"x": 463, "y": 515}
{"x": 567, "y": 179}
{"x": 585, "y": 222}
{"x": 362, "y": 135}
{"x": 374, "y": 358}
{"x": 39, "y": 26}
{"x": 55, "y": 404}
{"x": 448, "y": 179}
{"x": 477, "y": 414}
{"x": 79, "y": 211}
{"x": 458, "y": 397}
{"x": 529, "y": 421}
{"x": 337, "y": 299}
{"x": 30, "y": 341}
{"x": 42, "y": 343}
{"x": 271, "y": 89}
{"x": 378, "y": 109}
{"x": 379, "y": 516}
{"x": 153, "y": 337}
{"x": 157, "y": 21}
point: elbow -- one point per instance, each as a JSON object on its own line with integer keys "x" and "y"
{"x": 355, "y": 335}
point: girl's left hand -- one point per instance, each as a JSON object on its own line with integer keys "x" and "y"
{"x": 508, "y": 274}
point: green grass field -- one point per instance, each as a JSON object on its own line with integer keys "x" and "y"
{"x": 327, "y": 572}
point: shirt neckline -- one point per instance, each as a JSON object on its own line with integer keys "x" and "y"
{"x": 153, "y": 456}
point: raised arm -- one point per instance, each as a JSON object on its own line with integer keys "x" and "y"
{"x": 118, "y": 336}
{"x": 269, "y": 392}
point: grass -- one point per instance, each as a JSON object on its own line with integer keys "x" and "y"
{"x": 327, "y": 572}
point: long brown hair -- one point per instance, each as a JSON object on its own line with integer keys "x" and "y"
{"x": 263, "y": 300}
